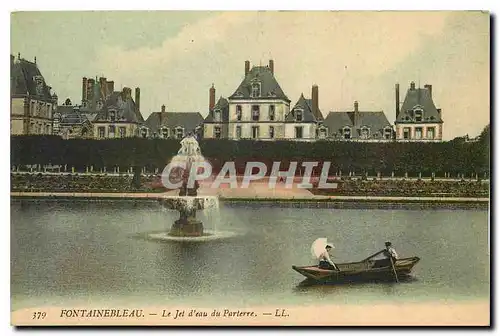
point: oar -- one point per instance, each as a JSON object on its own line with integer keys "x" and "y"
{"x": 394, "y": 268}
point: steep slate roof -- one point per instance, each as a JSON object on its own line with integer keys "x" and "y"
{"x": 270, "y": 89}
{"x": 187, "y": 120}
{"x": 22, "y": 80}
{"x": 125, "y": 107}
{"x": 223, "y": 106}
{"x": 308, "y": 114}
{"x": 419, "y": 97}
{"x": 375, "y": 120}
{"x": 71, "y": 115}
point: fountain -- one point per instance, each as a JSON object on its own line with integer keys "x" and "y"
{"x": 187, "y": 202}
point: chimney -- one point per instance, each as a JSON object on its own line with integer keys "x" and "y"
{"x": 315, "y": 100}
{"x": 126, "y": 93}
{"x": 247, "y": 67}
{"x": 138, "y": 98}
{"x": 271, "y": 66}
{"x": 35, "y": 59}
{"x": 110, "y": 87}
{"x": 397, "y": 100}
{"x": 103, "y": 87}
{"x": 429, "y": 88}
{"x": 356, "y": 113}
{"x": 412, "y": 86}
{"x": 163, "y": 108}
{"x": 211, "y": 98}
{"x": 84, "y": 89}
{"x": 90, "y": 88}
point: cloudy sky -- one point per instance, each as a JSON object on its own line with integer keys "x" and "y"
{"x": 174, "y": 57}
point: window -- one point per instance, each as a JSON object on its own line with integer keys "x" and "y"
{"x": 418, "y": 115}
{"x": 123, "y": 132}
{"x": 217, "y": 115}
{"x": 271, "y": 112}
{"x": 33, "y": 130}
{"x": 217, "y": 132}
{"x": 298, "y": 132}
{"x": 406, "y": 133}
{"x": 322, "y": 133}
{"x": 298, "y": 115}
{"x": 164, "y": 133}
{"x": 111, "y": 131}
{"x": 365, "y": 132}
{"x": 255, "y": 132}
{"x": 255, "y": 90}
{"x": 347, "y": 132}
{"x": 47, "y": 129}
{"x": 238, "y": 132}
{"x": 101, "y": 131}
{"x": 271, "y": 132}
{"x": 179, "y": 132}
{"x": 430, "y": 132}
{"x": 112, "y": 115}
{"x": 388, "y": 133}
{"x": 418, "y": 132}
{"x": 255, "y": 112}
{"x": 238, "y": 112}
{"x": 144, "y": 132}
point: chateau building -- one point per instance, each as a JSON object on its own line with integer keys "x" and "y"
{"x": 418, "y": 119}
{"x": 305, "y": 120}
{"x": 103, "y": 114}
{"x": 356, "y": 125}
{"x": 174, "y": 125}
{"x": 256, "y": 110}
{"x": 32, "y": 104}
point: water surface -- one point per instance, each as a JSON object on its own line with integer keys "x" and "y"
{"x": 80, "y": 252}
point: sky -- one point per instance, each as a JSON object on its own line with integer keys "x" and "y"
{"x": 174, "y": 57}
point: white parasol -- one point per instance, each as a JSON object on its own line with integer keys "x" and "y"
{"x": 318, "y": 247}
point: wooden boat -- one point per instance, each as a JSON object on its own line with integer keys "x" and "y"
{"x": 365, "y": 270}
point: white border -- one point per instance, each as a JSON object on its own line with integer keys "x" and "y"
{"x": 179, "y": 5}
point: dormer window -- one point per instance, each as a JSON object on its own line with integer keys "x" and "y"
{"x": 255, "y": 112}
{"x": 217, "y": 115}
{"x": 164, "y": 132}
{"x": 388, "y": 133}
{"x": 418, "y": 113}
{"x": 346, "y": 131}
{"x": 299, "y": 115}
{"x": 112, "y": 115}
{"x": 365, "y": 132}
{"x": 255, "y": 90}
{"x": 271, "y": 112}
{"x": 144, "y": 132}
{"x": 238, "y": 94}
{"x": 99, "y": 105}
{"x": 238, "y": 112}
{"x": 322, "y": 133}
{"x": 179, "y": 132}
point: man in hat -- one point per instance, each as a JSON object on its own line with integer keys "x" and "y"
{"x": 391, "y": 252}
{"x": 324, "y": 259}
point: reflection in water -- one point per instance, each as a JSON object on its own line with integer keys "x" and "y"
{"x": 90, "y": 250}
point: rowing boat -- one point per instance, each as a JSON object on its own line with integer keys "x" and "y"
{"x": 367, "y": 269}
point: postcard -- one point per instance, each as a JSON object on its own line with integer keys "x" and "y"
{"x": 257, "y": 168}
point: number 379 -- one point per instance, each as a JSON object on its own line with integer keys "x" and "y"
{"x": 39, "y": 315}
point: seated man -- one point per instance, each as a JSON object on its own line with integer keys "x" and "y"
{"x": 389, "y": 253}
{"x": 324, "y": 260}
